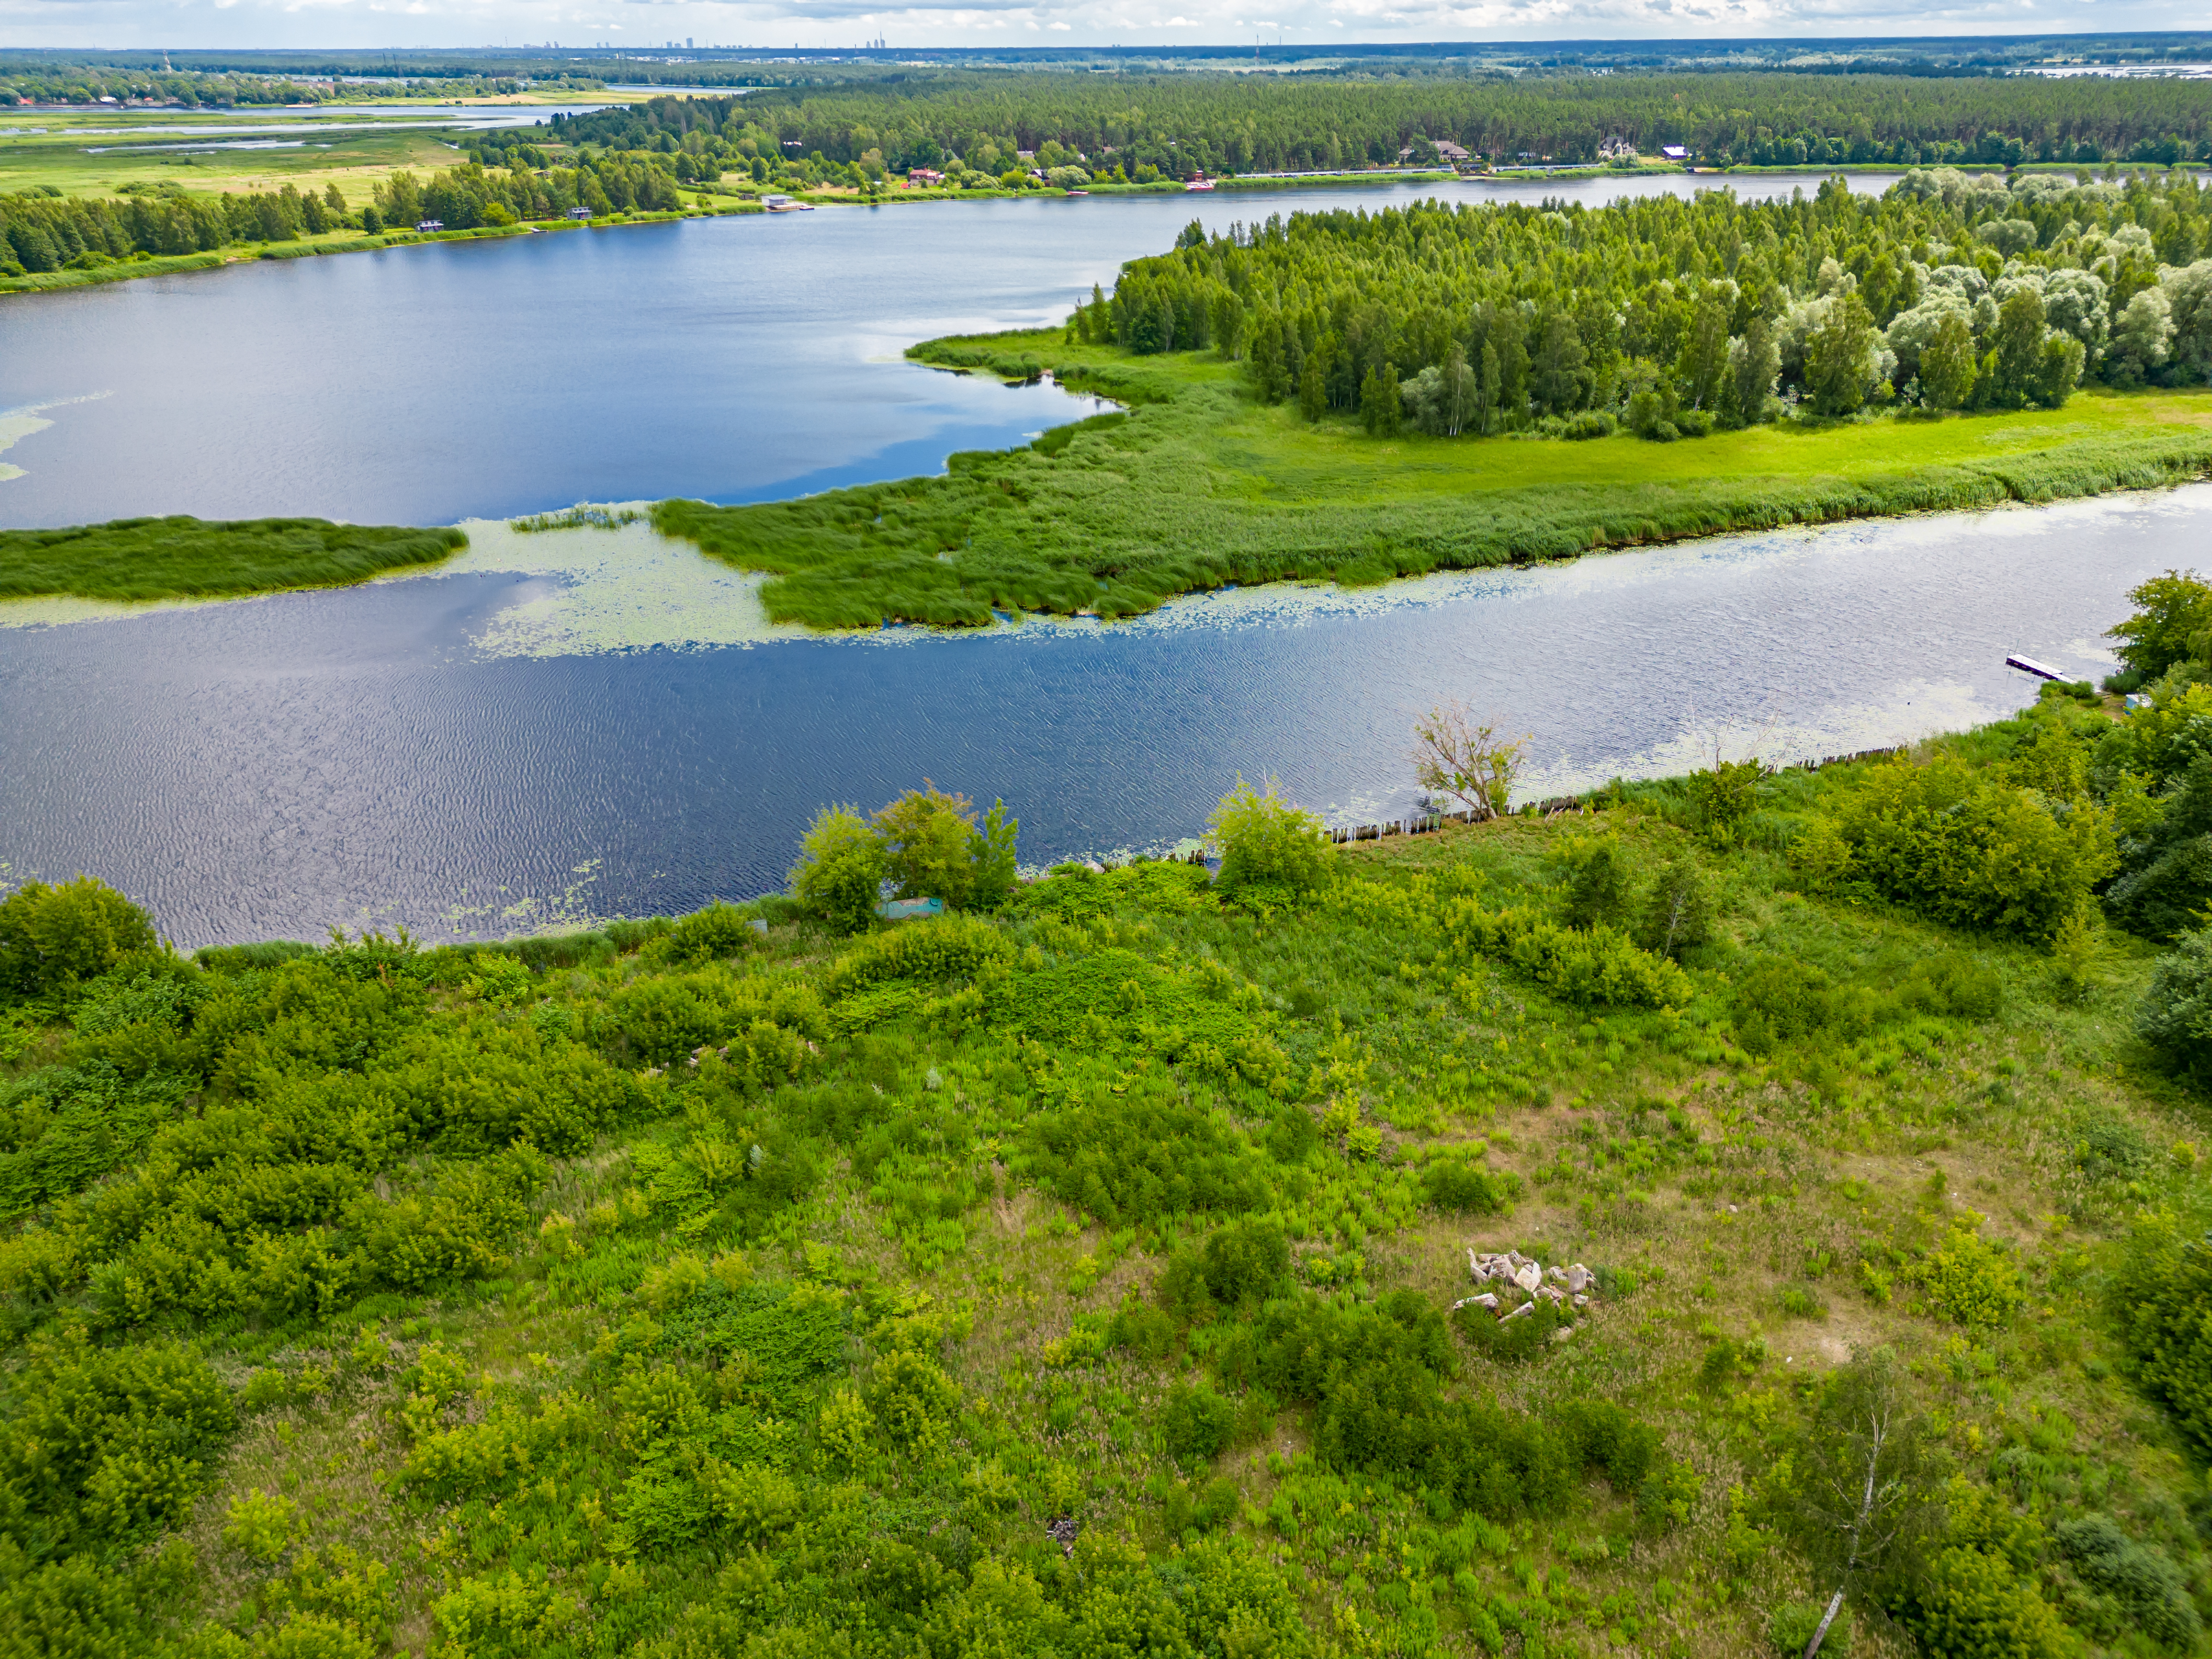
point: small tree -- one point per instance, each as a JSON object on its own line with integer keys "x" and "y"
{"x": 1678, "y": 914}
{"x": 1724, "y": 795}
{"x": 1866, "y": 1491}
{"x": 1456, "y": 755}
{"x": 992, "y": 859}
{"x": 926, "y": 836}
{"x": 1948, "y": 365}
{"x": 1265, "y": 842}
{"x": 840, "y": 873}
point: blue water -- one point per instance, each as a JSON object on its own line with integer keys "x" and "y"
{"x": 735, "y": 359}
{"x": 501, "y": 749}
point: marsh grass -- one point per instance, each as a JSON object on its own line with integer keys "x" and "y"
{"x": 184, "y": 557}
{"x": 1199, "y": 486}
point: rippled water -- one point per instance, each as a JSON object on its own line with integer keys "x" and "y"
{"x": 594, "y": 723}
{"x": 502, "y": 747}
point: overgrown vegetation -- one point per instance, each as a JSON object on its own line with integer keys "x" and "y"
{"x": 1082, "y": 1264}
{"x": 184, "y": 557}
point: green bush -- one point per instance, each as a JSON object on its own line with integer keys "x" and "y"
{"x": 1600, "y": 879}
{"x": 1597, "y": 965}
{"x": 53, "y": 938}
{"x": 1513, "y": 1341}
{"x": 1196, "y": 1423}
{"x": 102, "y": 1447}
{"x": 1245, "y": 1262}
{"x": 839, "y": 877}
{"x": 1971, "y": 852}
{"x": 1459, "y": 1187}
{"x": 1789, "y": 1631}
{"x": 926, "y": 837}
{"x": 1265, "y": 844}
{"x": 707, "y": 935}
{"x": 1970, "y": 1280}
{"x": 1955, "y": 985}
{"x": 2143, "y": 1580}
{"x": 2167, "y": 1316}
{"x": 1146, "y": 1159}
{"x": 1677, "y": 913}
{"x": 1976, "y": 1605}
{"x": 2175, "y": 1014}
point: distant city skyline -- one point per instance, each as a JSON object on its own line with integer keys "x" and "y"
{"x": 820, "y": 25}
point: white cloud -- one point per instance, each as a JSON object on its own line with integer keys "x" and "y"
{"x": 924, "y": 23}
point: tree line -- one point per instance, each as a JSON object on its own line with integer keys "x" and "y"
{"x": 41, "y": 230}
{"x": 1672, "y": 315}
{"x": 1238, "y": 125}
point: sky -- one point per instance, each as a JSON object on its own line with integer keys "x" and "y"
{"x": 835, "y": 23}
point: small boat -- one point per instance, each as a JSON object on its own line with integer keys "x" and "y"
{"x": 1200, "y": 184}
{"x": 1079, "y": 193}
{"x": 784, "y": 204}
{"x": 2041, "y": 671}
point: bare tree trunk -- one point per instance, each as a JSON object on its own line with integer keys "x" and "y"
{"x": 1835, "y": 1606}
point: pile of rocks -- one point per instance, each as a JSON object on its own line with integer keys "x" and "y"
{"x": 1521, "y": 1279}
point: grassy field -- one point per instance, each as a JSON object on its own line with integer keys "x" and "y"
{"x": 186, "y": 558}
{"x": 1199, "y": 485}
{"x": 1021, "y": 1281}
{"x": 354, "y": 160}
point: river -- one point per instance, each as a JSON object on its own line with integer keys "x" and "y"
{"x": 591, "y": 723}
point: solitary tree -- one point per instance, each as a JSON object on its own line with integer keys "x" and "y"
{"x": 1948, "y": 363}
{"x": 1458, "y": 755}
{"x": 1866, "y": 1492}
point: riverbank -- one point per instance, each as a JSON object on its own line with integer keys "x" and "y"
{"x": 1197, "y": 486}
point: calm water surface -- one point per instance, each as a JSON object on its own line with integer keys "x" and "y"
{"x": 590, "y": 723}
{"x": 736, "y": 359}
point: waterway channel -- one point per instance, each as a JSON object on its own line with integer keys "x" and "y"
{"x": 593, "y": 723}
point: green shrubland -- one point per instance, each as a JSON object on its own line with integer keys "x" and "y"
{"x": 1082, "y": 1264}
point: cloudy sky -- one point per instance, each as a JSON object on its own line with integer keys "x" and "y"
{"x": 310, "y": 23}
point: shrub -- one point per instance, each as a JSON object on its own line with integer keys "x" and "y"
{"x": 2175, "y": 1014}
{"x": 707, "y": 935}
{"x": 1590, "y": 423}
{"x": 2170, "y": 611}
{"x": 51, "y": 937}
{"x": 2142, "y": 1579}
{"x": 1724, "y": 795}
{"x": 1973, "y": 853}
{"x": 1598, "y": 965}
{"x": 261, "y": 1524}
{"x": 839, "y": 877}
{"x": 1460, "y": 1187}
{"x": 1678, "y": 913}
{"x": 2167, "y": 1318}
{"x": 1144, "y": 1159}
{"x": 1978, "y": 1606}
{"x": 1970, "y": 1280}
{"x": 1245, "y": 1262}
{"x": 913, "y": 1398}
{"x": 1600, "y": 879}
{"x": 1196, "y": 1424}
{"x": 1790, "y": 1631}
{"x": 1512, "y": 1341}
{"x": 104, "y": 1446}
{"x": 1266, "y": 843}
{"x": 1955, "y": 985}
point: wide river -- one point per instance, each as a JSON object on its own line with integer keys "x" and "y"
{"x": 594, "y": 723}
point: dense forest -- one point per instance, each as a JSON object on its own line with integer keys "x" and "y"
{"x": 1945, "y": 292}
{"x": 1645, "y": 1230}
{"x": 1244, "y": 125}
